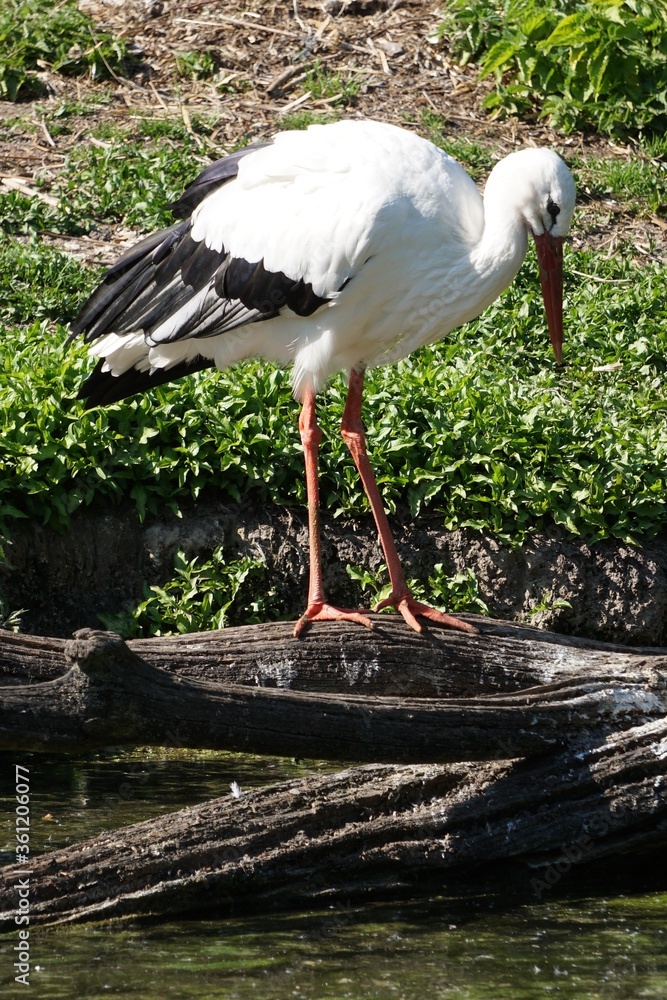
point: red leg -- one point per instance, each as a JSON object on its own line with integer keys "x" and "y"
{"x": 400, "y": 598}
{"x": 318, "y": 609}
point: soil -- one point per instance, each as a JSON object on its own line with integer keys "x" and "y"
{"x": 390, "y": 50}
{"x": 615, "y": 592}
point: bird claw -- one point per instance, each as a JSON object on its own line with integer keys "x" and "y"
{"x": 320, "y": 611}
{"x": 409, "y": 608}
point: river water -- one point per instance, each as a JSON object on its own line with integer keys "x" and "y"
{"x": 602, "y": 936}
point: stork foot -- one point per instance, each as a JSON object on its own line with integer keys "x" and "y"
{"x": 320, "y": 611}
{"x": 410, "y": 608}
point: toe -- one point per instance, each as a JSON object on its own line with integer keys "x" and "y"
{"x": 410, "y": 608}
{"x": 323, "y": 612}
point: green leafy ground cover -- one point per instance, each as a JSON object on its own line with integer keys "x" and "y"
{"x": 482, "y": 430}
{"x": 598, "y": 64}
{"x": 37, "y": 35}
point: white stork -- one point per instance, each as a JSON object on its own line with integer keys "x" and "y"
{"x": 347, "y": 245}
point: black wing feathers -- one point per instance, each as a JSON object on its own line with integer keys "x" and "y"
{"x": 268, "y": 291}
{"x": 102, "y": 388}
{"x": 210, "y": 178}
{"x": 123, "y": 283}
{"x": 170, "y": 287}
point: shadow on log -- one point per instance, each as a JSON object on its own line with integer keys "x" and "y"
{"x": 570, "y": 739}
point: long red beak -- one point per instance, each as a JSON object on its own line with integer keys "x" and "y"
{"x": 550, "y": 257}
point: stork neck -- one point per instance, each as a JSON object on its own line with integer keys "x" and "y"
{"x": 504, "y": 239}
{"x": 503, "y": 244}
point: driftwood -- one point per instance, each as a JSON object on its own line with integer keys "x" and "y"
{"x": 570, "y": 737}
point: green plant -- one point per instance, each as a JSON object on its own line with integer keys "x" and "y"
{"x": 583, "y": 63}
{"x": 374, "y": 585}
{"x": 45, "y": 283}
{"x": 477, "y": 159}
{"x": 65, "y": 108}
{"x": 640, "y": 181}
{"x": 549, "y": 603}
{"x": 457, "y": 592}
{"x": 63, "y": 117}
{"x": 134, "y": 188}
{"x": 22, "y": 215}
{"x": 323, "y": 84}
{"x": 175, "y": 129}
{"x": 155, "y": 448}
{"x": 38, "y": 34}
{"x": 195, "y": 65}
{"x": 203, "y": 594}
{"x": 299, "y": 120}
{"x": 10, "y": 621}
{"x": 132, "y": 178}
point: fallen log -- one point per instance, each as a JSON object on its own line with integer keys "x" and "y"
{"x": 570, "y": 738}
{"x": 391, "y": 660}
{"x": 111, "y": 696}
{"x": 366, "y": 829}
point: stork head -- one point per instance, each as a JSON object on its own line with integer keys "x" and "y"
{"x": 532, "y": 191}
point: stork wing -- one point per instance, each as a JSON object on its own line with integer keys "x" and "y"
{"x": 275, "y": 226}
{"x": 174, "y": 286}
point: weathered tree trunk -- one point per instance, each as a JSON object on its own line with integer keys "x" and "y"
{"x": 587, "y": 719}
{"x": 377, "y": 826}
{"x": 111, "y": 695}
{"x": 331, "y": 657}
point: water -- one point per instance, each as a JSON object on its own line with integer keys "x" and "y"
{"x": 581, "y": 947}
{"x": 74, "y": 799}
{"x": 605, "y": 939}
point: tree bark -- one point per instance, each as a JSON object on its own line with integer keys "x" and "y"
{"x": 370, "y": 828}
{"x": 391, "y": 660}
{"x": 110, "y": 695}
{"x": 570, "y": 737}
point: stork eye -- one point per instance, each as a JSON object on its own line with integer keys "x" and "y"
{"x": 553, "y": 209}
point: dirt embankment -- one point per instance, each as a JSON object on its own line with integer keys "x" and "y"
{"x": 617, "y": 593}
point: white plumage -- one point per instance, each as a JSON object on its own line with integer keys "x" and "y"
{"x": 344, "y": 246}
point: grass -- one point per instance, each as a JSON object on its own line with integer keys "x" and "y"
{"x": 299, "y": 120}
{"x": 134, "y": 188}
{"x": 641, "y": 183}
{"x": 37, "y": 35}
{"x": 325, "y": 84}
{"x": 46, "y": 284}
{"x": 477, "y": 158}
{"x": 131, "y": 178}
